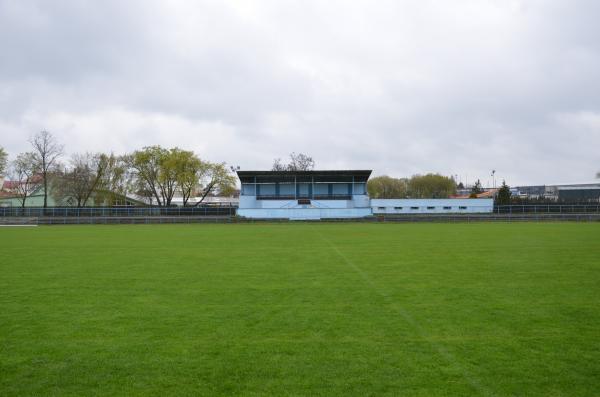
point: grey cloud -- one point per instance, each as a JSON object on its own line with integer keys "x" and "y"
{"x": 401, "y": 87}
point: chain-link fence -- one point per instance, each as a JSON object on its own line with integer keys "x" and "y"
{"x": 547, "y": 209}
{"x": 100, "y": 212}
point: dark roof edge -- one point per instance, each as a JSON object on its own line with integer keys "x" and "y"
{"x": 314, "y": 172}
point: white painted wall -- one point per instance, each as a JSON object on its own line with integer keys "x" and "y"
{"x": 304, "y": 213}
{"x": 431, "y": 206}
{"x": 358, "y": 201}
{"x": 359, "y": 207}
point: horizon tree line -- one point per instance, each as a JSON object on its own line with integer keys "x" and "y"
{"x": 157, "y": 174}
{"x": 153, "y": 173}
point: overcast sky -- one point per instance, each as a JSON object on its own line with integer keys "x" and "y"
{"x": 400, "y": 87}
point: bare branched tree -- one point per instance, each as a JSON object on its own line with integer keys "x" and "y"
{"x": 80, "y": 180}
{"x": 116, "y": 181}
{"x": 3, "y": 161}
{"x": 46, "y": 150}
{"x": 25, "y": 174}
{"x": 278, "y": 165}
{"x": 298, "y": 162}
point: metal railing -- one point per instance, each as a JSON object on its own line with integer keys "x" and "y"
{"x": 304, "y": 196}
{"x": 116, "y": 211}
{"x": 547, "y": 209}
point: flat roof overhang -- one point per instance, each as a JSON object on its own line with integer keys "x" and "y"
{"x": 357, "y": 175}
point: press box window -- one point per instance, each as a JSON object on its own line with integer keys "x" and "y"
{"x": 397, "y": 208}
{"x": 414, "y": 208}
{"x": 381, "y": 208}
{"x": 462, "y": 208}
{"x": 430, "y": 208}
{"x": 447, "y": 208}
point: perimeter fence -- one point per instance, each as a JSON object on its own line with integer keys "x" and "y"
{"x": 121, "y": 212}
{"x": 547, "y": 208}
{"x": 227, "y": 214}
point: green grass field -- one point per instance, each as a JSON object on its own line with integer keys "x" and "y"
{"x": 301, "y": 309}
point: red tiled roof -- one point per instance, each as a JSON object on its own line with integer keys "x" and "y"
{"x": 4, "y": 194}
{"x": 9, "y": 185}
{"x": 487, "y": 194}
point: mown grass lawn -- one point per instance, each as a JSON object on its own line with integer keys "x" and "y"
{"x": 301, "y": 309}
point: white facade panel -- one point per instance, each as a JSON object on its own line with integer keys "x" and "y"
{"x": 431, "y": 206}
{"x": 304, "y": 213}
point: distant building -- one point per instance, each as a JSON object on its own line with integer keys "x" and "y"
{"x": 9, "y": 198}
{"x": 208, "y": 200}
{"x": 566, "y": 192}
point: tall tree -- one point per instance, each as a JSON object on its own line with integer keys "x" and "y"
{"x": 146, "y": 166}
{"x": 3, "y": 161}
{"x": 47, "y": 151}
{"x": 298, "y": 162}
{"x": 162, "y": 172}
{"x": 503, "y": 197}
{"x": 476, "y": 189}
{"x": 387, "y": 187}
{"x": 170, "y": 167}
{"x": 82, "y": 178}
{"x": 26, "y": 174}
{"x": 190, "y": 170}
{"x": 218, "y": 177}
{"x": 431, "y": 186}
{"x": 116, "y": 180}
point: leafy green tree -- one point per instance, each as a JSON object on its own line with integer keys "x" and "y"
{"x": 146, "y": 166}
{"x": 169, "y": 168}
{"x": 503, "y": 197}
{"x": 387, "y": 187}
{"x": 217, "y": 178}
{"x": 160, "y": 173}
{"x": 190, "y": 170}
{"x": 3, "y": 160}
{"x": 431, "y": 186}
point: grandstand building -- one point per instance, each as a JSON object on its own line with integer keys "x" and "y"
{"x": 332, "y": 195}
{"x": 304, "y": 194}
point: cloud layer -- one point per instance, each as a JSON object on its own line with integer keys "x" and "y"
{"x": 401, "y": 87}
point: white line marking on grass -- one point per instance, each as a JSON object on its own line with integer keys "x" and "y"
{"x": 442, "y": 351}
